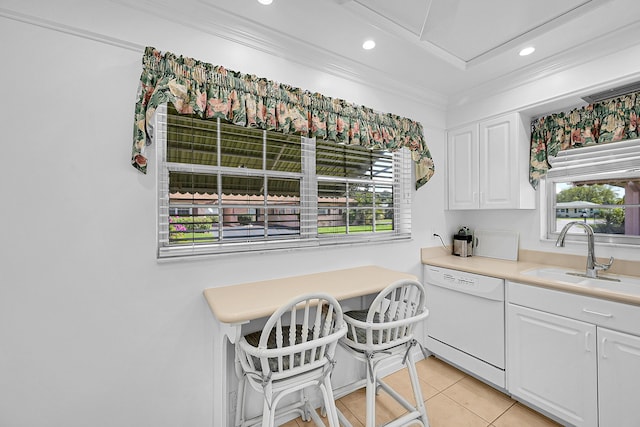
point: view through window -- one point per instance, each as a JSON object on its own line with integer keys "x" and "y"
{"x": 600, "y": 187}
{"x": 228, "y": 188}
{"x": 609, "y": 206}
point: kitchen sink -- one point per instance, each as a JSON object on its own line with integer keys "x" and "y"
{"x": 609, "y": 282}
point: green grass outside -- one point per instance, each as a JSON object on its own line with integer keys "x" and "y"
{"x": 354, "y": 229}
{"x": 186, "y": 236}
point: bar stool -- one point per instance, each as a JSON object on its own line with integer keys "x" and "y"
{"x": 294, "y": 351}
{"x": 382, "y": 335}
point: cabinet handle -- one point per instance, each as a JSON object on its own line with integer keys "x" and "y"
{"x": 597, "y": 313}
{"x": 586, "y": 341}
{"x": 604, "y": 341}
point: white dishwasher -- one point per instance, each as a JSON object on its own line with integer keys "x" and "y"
{"x": 466, "y": 321}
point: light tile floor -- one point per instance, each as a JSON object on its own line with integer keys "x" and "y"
{"x": 453, "y": 399}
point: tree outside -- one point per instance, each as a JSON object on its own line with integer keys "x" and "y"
{"x": 606, "y": 220}
{"x": 364, "y": 217}
{"x": 598, "y": 193}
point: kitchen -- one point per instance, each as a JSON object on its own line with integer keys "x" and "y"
{"x": 95, "y": 329}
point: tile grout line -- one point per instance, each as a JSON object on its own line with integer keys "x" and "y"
{"x": 504, "y": 412}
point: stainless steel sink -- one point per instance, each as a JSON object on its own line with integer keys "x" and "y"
{"x": 609, "y": 282}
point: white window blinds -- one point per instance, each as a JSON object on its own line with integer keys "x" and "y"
{"x": 226, "y": 188}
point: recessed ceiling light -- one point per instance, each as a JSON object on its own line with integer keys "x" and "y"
{"x": 527, "y": 51}
{"x": 368, "y": 44}
{"x": 265, "y": 1}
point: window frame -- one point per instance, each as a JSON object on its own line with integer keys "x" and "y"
{"x": 308, "y": 235}
{"x": 616, "y": 160}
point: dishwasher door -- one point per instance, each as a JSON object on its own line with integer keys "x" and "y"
{"x": 466, "y": 322}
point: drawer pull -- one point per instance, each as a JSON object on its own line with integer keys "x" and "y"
{"x": 597, "y": 313}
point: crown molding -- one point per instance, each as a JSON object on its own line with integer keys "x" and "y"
{"x": 67, "y": 29}
{"x": 312, "y": 54}
{"x": 278, "y": 44}
{"x": 245, "y": 32}
{"x": 622, "y": 38}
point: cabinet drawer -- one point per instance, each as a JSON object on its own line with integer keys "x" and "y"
{"x": 601, "y": 312}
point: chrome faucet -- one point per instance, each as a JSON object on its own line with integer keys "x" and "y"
{"x": 592, "y": 265}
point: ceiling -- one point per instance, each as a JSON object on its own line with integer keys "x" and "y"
{"x": 441, "y": 51}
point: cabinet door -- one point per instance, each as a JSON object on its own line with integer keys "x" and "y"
{"x": 618, "y": 378}
{"x": 552, "y": 364}
{"x": 462, "y": 170}
{"x": 498, "y": 163}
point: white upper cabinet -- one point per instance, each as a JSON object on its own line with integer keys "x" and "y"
{"x": 488, "y": 165}
{"x": 462, "y": 167}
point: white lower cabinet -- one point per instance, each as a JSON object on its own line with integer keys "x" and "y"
{"x": 565, "y": 356}
{"x": 553, "y": 364}
{"x": 618, "y": 379}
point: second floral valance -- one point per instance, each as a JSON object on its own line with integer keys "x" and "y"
{"x": 598, "y": 123}
{"x": 212, "y": 92}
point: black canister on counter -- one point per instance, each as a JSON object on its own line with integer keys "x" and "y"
{"x": 463, "y": 242}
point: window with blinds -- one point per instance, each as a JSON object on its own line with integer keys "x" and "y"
{"x": 226, "y": 188}
{"x": 598, "y": 185}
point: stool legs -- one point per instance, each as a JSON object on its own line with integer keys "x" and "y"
{"x": 417, "y": 391}
{"x": 417, "y": 413}
{"x": 330, "y": 403}
{"x": 370, "y": 397}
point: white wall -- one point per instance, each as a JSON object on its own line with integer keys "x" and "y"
{"x": 94, "y": 331}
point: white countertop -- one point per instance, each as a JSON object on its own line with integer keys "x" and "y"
{"x": 513, "y": 270}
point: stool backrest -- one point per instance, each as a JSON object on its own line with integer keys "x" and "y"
{"x": 391, "y": 318}
{"x": 300, "y": 336}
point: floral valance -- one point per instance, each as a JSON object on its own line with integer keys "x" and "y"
{"x": 211, "y": 92}
{"x": 611, "y": 120}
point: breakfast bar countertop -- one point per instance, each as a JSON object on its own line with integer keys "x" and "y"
{"x": 247, "y": 301}
{"x": 528, "y": 260}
